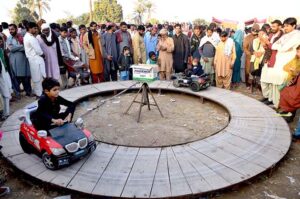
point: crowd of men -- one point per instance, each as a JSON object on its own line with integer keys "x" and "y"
{"x": 75, "y": 55}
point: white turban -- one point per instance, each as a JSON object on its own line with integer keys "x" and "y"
{"x": 45, "y": 26}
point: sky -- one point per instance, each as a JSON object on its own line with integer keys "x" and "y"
{"x": 171, "y": 10}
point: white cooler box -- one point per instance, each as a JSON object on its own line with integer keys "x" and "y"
{"x": 145, "y": 72}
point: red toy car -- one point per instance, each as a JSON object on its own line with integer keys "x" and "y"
{"x": 59, "y": 146}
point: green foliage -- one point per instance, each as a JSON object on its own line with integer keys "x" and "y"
{"x": 141, "y": 8}
{"x": 22, "y": 12}
{"x": 82, "y": 19}
{"x": 107, "y": 11}
{"x": 154, "y": 21}
{"x": 200, "y": 21}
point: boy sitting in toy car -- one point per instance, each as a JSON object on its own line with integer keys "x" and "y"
{"x": 194, "y": 69}
{"x": 48, "y": 114}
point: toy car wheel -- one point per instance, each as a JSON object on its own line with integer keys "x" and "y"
{"x": 195, "y": 86}
{"x": 49, "y": 162}
{"x": 24, "y": 144}
{"x": 176, "y": 83}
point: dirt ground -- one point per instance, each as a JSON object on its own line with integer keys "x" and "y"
{"x": 182, "y": 122}
{"x": 281, "y": 182}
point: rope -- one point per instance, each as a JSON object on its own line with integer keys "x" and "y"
{"x": 102, "y": 102}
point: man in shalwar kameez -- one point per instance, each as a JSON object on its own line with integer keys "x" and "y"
{"x": 224, "y": 61}
{"x": 110, "y": 54}
{"x": 50, "y": 46}
{"x": 35, "y": 56}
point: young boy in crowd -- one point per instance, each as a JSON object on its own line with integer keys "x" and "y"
{"x": 152, "y": 58}
{"x": 48, "y": 113}
{"x": 125, "y": 61}
{"x": 194, "y": 69}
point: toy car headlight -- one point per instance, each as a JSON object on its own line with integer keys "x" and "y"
{"x": 79, "y": 123}
{"x": 91, "y": 138}
{"x": 57, "y": 151}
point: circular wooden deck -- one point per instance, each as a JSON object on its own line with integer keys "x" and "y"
{"x": 254, "y": 141}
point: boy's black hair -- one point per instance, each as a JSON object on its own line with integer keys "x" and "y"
{"x": 31, "y": 25}
{"x": 93, "y": 23}
{"x": 72, "y": 30}
{"x": 81, "y": 26}
{"x": 4, "y": 25}
{"x": 125, "y": 48}
{"x": 103, "y": 26}
{"x": 151, "y": 53}
{"x": 53, "y": 26}
{"x": 298, "y": 47}
{"x": 290, "y": 21}
{"x": 63, "y": 29}
{"x": 177, "y": 25}
{"x": 140, "y": 27}
{"x": 50, "y": 83}
{"x": 224, "y": 34}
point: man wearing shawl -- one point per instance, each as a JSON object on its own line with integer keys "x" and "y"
{"x": 50, "y": 46}
{"x": 238, "y": 40}
{"x": 181, "y": 50}
{"x": 35, "y": 56}
{"x": 207, "y": 49}
{"x": 224, "y": 60}
{"x": 93, "y": 47}
{"x": 17, "y": 59}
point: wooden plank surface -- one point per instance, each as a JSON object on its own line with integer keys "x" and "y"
{"x": 141, "y": 178}
{"x": 254, "y": 140}
{"x": 195, "y": 180}
{"x": 89, "y": 174}
{"x": 114, "y": 178}
{"x": 161, "y": 184}
{"x": 179, "y": 184}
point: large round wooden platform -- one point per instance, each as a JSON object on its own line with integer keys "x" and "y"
{"x": 254, "y": 141}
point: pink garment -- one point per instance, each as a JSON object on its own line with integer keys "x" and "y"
{"x": 51, "y": 59}
{"x": 1, "y": 135}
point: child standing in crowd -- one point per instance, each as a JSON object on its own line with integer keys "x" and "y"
{"x": 125, "y": 61}
{"x": 152, "y": 58}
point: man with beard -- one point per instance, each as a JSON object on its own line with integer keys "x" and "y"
{"x": 50, "y": 46}
{"x": 195, "y": 42}
{"x": 92, "y": 45}
{"x": 269, "y": 59}
{"x": 181, "y": 50}
{"x": 110, "y": 53}
{"x": 19, "y": 64}
{"x": 123, "y": 38}
{"x": 139, "y": 50}
{"x": 35, "y": 56}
